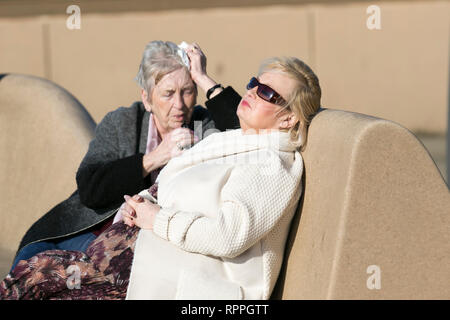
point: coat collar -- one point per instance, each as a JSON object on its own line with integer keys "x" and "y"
{"x": 222, "y": 148}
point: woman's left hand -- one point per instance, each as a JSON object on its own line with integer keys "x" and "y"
{"x": 198, "y": 69}
{"x": 145, "y": 212}
{"x": 198, "y": 62}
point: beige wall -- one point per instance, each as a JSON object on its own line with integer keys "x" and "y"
{"x": 398, "y": 73}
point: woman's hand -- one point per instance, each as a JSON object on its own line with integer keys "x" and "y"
{"x": 172, "y": 145}
{"x": 198, "y": 69}
{"x": 127, "y": 213}
{"x": 197, "y": 60}
{"x": 144, "y": 212}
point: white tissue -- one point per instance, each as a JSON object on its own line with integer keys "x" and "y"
{"x": 184, "y": 45}
{"x": 182, "y": 48}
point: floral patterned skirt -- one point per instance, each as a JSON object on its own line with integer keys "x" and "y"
{"x": 102, "y": 273}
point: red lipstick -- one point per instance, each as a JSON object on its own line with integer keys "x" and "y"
{"x": 245, "y": 103}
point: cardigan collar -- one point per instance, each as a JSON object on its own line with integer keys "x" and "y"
{"x": 223, "y": 146}
{"x": 234, "y": 141}
{"x": 272, "y": 139}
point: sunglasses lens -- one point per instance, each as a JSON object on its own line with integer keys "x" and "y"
{"x": 265, "y": 92}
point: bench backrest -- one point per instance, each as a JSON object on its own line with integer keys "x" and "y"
{"x": 45, "y": 133}
{"x": 374, "y": 219}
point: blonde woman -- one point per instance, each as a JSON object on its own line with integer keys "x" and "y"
{"x": 217, "y": 225}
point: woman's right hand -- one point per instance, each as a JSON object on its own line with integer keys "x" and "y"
{"x": 172, "y": 145}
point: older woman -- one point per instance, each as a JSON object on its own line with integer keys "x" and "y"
{"x": 218, "y": 227}
{"x": 130, "y": 147}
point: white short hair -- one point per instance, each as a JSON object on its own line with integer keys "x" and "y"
{"x": 159, "y": 58}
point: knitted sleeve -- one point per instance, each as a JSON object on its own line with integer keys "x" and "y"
{"x": 253, "y": 201}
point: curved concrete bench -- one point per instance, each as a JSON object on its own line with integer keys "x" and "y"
{"x": 374, "y": 200}
{"x": 45, "y": 133}
{"x": 374, "y": 220}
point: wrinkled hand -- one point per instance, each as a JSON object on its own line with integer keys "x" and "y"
{"x": 198, "y": 68}
{"x": 197, "y": 60}
{"x": 139, "y": 212}
{"x": 172, "y": 145}
{"x": 127, "y": 212}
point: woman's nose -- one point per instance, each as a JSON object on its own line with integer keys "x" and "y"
{"x": 178, "y": 101}
{"x": 251, "y": 92}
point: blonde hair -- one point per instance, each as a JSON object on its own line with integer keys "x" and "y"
{"x": 304, "y": 101}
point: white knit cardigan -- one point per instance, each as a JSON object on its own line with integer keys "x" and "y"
{"x": 226, "y": 208}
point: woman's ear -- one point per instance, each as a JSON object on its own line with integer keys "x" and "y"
{"x": 288, "y": 121}
{"x": 145, "y": 100}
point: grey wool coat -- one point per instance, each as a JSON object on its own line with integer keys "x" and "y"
{"x": 112, "y": 166}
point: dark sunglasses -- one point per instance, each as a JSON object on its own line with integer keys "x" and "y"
{"x": 265, "y": 92}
